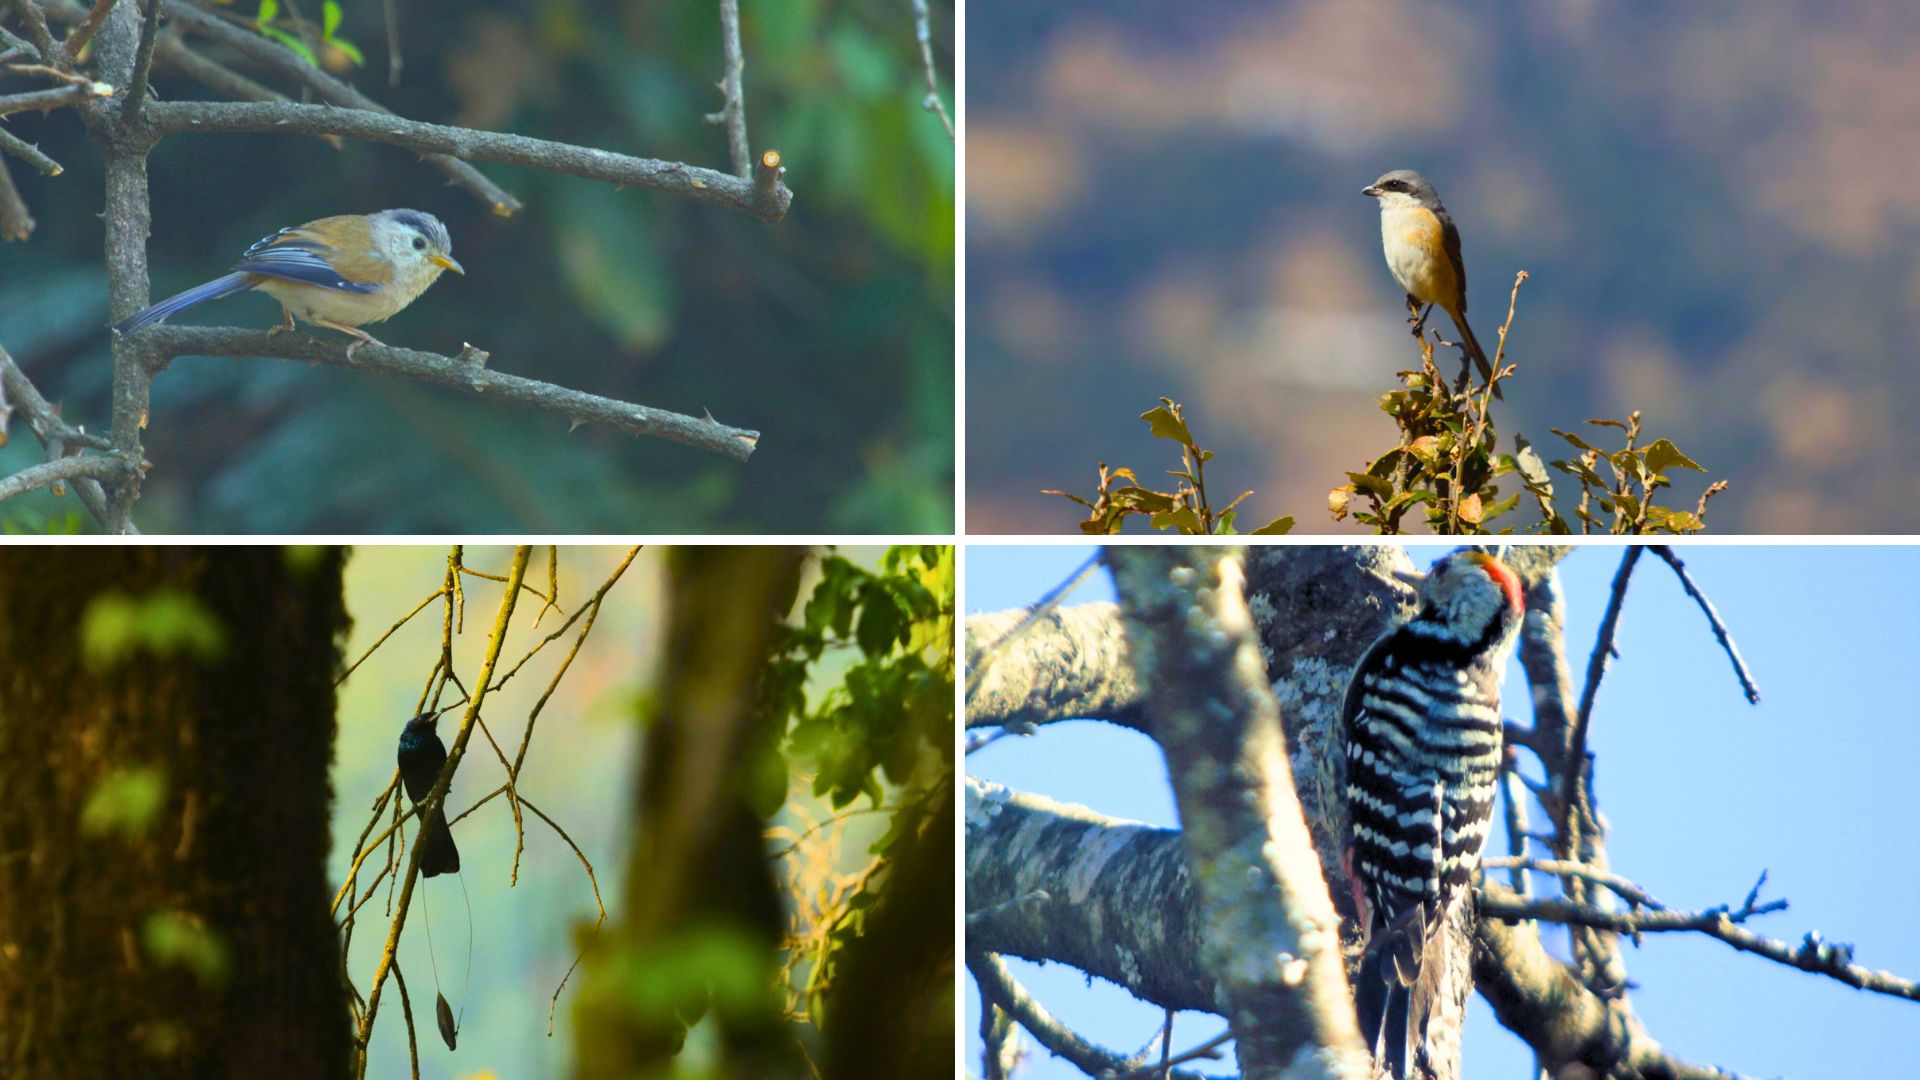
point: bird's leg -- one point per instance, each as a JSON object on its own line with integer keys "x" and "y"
{"x": 365, "y": 338}
{"x": 285, "y": 327}
{"x": 1417, "y": 314}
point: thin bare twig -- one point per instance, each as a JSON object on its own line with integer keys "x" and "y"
{"x": 404, "y": 619}
{"x": 83, "y": 33}
{"x": 1626, "y": 890}
{"x": 465, "y": 144}
{"x": 1574, "y": 779}
{"x": 16, "y": 221}
{"x": 923, "y": 31}
{"x": 53, "y": 432}
{"x": 29, "y": 153}
{"x": 142, "y": 64}
{"x": 70, "y": 94}
{"x": 1036, "y": 611}
{"x": 406, "y": 1007}
{"x": 554, "y": 1001}
{"x": 287, "y": 64}
{"x": 1720, "y": 633}
{"x": 1813, "y": 954}
{"x": 394, "y": 62}
{"x": 733, "y": 110}
{"x": 36, "y": 24}
{"x": 999, "y": 988}
{"x": 38, "y": 476}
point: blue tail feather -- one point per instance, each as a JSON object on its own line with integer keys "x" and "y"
{"x": 173, "y": 305}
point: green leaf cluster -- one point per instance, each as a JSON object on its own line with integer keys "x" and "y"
{"x": 1447, "y": 469}
{"x": 302, "y": 37}
{"x": 1186, "y": 509}
{"x": 891, "y": 716}
{"x": 886, "y": 731}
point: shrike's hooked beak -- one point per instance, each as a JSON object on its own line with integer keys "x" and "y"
{"x": 1370, "y": 191}
{"x": 446, "y": 262}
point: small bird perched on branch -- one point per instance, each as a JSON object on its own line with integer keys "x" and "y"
{"x": 422, "y": 755}
{"x": 1423, "y": 251}
{"x": 1423, "y": 734}
{"x": 339, "y": 272}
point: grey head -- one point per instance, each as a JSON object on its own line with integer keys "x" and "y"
{"x": 1401, "y": 186}
{"x": 421, "y": 233}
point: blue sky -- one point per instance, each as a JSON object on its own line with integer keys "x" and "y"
{"x": 1701, "y": 792}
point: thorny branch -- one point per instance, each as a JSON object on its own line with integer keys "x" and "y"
{"x": 465, "y": 371}
{"x": 733, "y": 110}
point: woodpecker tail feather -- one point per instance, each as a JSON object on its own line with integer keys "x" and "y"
{"x": 1391, "y": 994}
{"x": 213, "y": 290}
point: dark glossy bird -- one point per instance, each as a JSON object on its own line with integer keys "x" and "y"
{"x": 422, "y": 755}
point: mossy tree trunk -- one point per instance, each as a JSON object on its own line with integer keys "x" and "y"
{"x": 164, "y": 812}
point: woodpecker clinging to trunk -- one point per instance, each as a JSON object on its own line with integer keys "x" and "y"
{"x": 1422, "y": 725}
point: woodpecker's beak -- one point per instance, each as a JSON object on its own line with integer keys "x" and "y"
{"x": 1411, "y": 578}
{"x": 1370, "y": 191}
{"x": 446, "y": 262}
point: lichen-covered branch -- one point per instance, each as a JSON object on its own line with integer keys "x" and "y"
{"x": 1069, "y": 665}
{"x": 997, "y": 987}
{"x": 1095, "y": 871}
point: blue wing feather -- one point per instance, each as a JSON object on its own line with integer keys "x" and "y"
{"x": 292, "y": 255}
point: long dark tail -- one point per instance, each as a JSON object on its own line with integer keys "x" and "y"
{"x": 235, "y": 282}
{"x": 439, "y": 856}
{"x": 1382, "y": 1003}
{"x": 1474, "y": 350}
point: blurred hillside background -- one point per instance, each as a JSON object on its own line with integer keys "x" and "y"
{"x": 830, "y": 332}
{"x": 1714, "y": 203}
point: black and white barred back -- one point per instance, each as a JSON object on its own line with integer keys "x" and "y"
{"x": 1422, "y": 720}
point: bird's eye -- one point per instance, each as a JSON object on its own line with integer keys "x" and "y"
{"x": 419, "y": 243}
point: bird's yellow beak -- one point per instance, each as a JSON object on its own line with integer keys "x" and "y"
{"x": 446, "y": 262}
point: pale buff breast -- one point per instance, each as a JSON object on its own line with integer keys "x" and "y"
{"x": 349, "y": 308}
{"x": 1410, "y": 236}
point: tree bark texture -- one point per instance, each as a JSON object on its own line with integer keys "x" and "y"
{"x": 1269, "y": 935}
{"x": 188, "y": 935}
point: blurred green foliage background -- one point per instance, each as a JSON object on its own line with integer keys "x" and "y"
{"x": 830, "y": 332}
